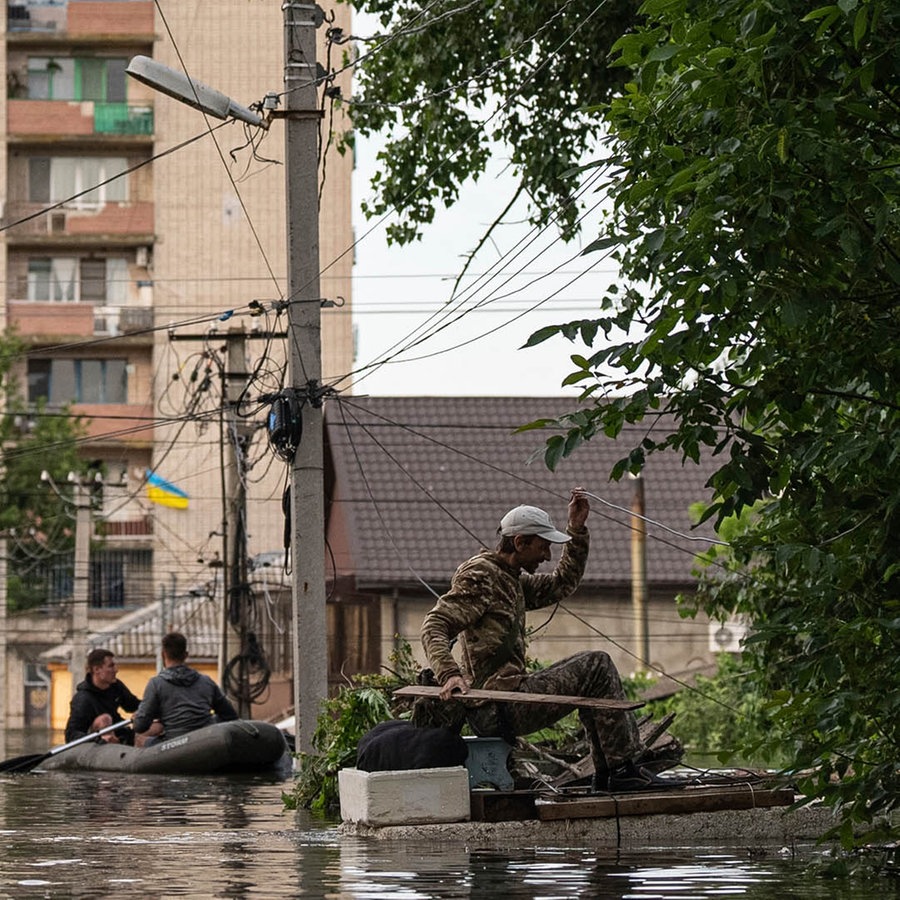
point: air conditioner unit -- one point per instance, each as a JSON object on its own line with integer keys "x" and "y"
{"x": 726, "y": 637}
{"x": 56, "y": 222}
{"x": 142, "y": 257}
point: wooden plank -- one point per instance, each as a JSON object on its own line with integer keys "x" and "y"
{"x": 686, "y": 800}
{"x": 473, "y": 694}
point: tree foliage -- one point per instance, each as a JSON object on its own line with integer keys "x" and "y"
{"x": 755, "y": 218}
{"x": 447, "y": 80}
{"x": 751, "y": 174}
{"x": 38, "y": 523}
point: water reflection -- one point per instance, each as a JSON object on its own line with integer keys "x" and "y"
{"x": 95, "y": 835}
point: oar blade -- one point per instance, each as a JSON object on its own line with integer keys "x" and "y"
{"x": 22, "y": 763}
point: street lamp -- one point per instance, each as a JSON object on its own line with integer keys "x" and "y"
{"x": 307, "y": 476}
{"x": 194, "y": 93}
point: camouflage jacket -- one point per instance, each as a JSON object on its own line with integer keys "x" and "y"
{"x": 486, "y": 607}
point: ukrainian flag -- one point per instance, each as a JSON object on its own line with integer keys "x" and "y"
{"x": 165, "y": 493}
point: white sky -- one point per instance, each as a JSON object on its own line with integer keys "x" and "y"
{"x": 399, "y": 290}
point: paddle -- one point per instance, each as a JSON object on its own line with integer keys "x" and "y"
{"x": 27, "y": 763}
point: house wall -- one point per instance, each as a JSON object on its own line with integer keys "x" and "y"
{"x": 28, "y": 635}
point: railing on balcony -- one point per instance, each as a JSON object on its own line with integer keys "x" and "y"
{"x": 118, "y": 578}
{"x": 39, "y": 116}
{"x": 84, "y": 17}
{"x": 122, "y": 118}
{"x": 113, "y": 320}
{"x": 36, "y": 15}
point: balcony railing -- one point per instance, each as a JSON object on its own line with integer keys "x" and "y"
{"x": 33, "y": 222}
{"x": 122, "y": 118}
{"x": 113, "y": 320}
{"x": 42, "y": 319}
{"x": 59, "y": 17}
{"x": 75, "y": 118}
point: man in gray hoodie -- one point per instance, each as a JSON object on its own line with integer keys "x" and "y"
{"x": 180, "y": 698}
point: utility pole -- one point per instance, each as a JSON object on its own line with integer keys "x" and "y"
{"x": 81, "y": 581}
{"x": 301, "y": 168}
{"x": 301, "y": 129}
{"x": 4, "y": 679}
{"x": 238, "y": 433}
{"x": 639, "y": 574}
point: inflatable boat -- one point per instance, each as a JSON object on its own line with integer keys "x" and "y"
{"x": 238, "y": 746}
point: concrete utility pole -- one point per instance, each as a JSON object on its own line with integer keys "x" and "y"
{"x": 301, "y": 157}
{"x": 238, "y": 434}
{"x": 4, "y": 680}
{"x": 81, "y": 581}
{"x": 301, "y": 142}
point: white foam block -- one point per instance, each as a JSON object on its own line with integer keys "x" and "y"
{"x": 405, "y": 797}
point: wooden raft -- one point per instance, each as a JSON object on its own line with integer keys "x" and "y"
{"x": 419, "y": 690}
{"x": 686, "y": 800}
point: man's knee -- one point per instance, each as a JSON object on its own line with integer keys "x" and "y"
{"x": 602, "y": 660}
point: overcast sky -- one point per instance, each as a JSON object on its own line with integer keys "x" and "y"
{"x": 400, "y": 295}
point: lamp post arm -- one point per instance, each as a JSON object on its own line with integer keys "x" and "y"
{"x": 190, "y": 91}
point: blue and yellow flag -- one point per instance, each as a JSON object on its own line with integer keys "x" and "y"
{"x": 165, "y": 493}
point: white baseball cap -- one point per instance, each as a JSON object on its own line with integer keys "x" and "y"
{"x": 531, "y": 520}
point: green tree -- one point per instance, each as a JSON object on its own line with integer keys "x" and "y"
{"x": 754, "y": 212}
{"x": 449, "y": 80}
{"x": 751, "y": 175}
{"x": 39, "y": 525}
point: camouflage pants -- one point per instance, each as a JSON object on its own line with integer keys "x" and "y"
{"x": 613, "y": 733}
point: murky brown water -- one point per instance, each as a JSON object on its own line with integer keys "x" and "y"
{"x": 92, "y": 835}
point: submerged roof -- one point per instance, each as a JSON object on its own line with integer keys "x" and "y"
{"x": 422, "y": 482}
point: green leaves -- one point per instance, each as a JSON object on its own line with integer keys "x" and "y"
{"x": 759, "y": 214}
{"x": 461, "y": 80}
{"x": 754, "y": 218}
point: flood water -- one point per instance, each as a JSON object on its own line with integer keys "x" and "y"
{"x": 95, "y": 835}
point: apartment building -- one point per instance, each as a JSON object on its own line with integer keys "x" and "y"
{"x": 136, "y": 234}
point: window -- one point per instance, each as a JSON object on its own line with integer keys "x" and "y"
{"x": 77, "y": 179}
{"x": 60, "y": 381}
{"x": 67, "y": 279}
{"x": 54, "y": 78}
{"x": 120, "y": 578}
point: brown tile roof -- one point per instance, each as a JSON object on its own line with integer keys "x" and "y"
{"x": 422, "y": 482}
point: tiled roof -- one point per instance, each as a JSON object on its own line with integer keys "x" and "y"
{"x": 422, "y": 482}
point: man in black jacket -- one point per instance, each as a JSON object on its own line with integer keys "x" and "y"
{"x": 98, "y": 699}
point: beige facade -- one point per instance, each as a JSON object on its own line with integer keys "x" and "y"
{"x": 221, "y": 243}
{"x": 145, "y": 282}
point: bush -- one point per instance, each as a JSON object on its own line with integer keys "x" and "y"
{"x": 344, "y": 719}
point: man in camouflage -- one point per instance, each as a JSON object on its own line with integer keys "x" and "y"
{"x": 485, "y": 608}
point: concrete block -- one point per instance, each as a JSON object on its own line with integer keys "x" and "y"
{"x": 405, "y": 797}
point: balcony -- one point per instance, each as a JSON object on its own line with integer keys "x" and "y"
{"x": 117, "y": 424}
{"x": 49, "y": 322}
{"x": 139, "y": 528}
{"x": 121, "y": 223}
{"x": 122, "y": 320}
{"x": 108, "y": 18}
{"x": 78, "y": 119}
